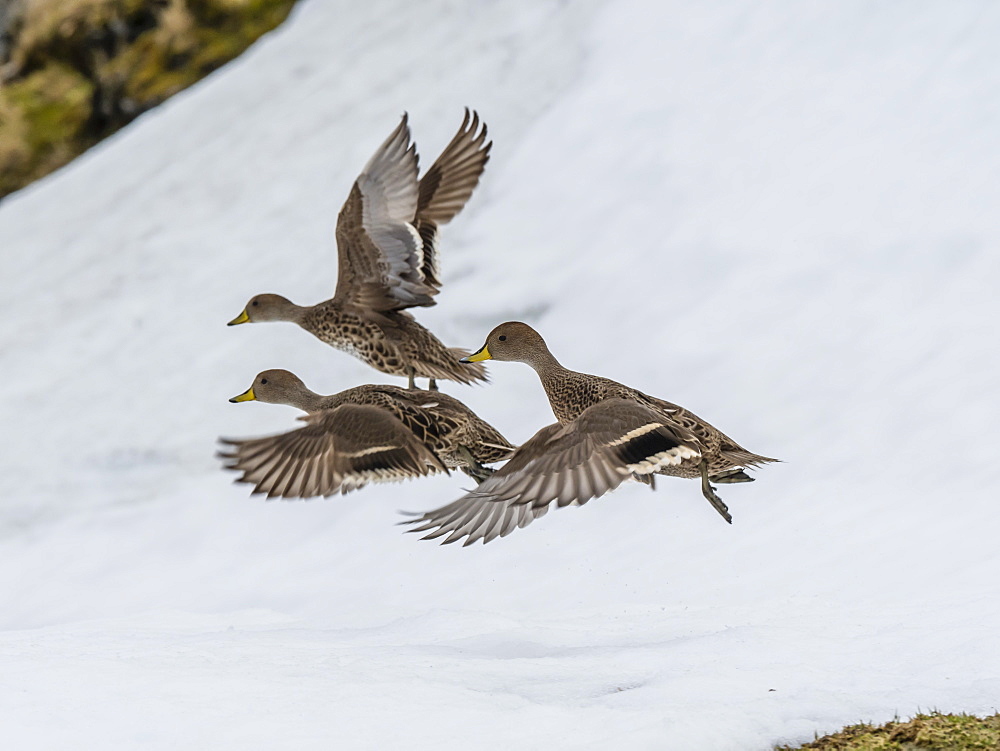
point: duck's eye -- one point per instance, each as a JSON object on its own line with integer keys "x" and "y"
{"x": 254, "y": 303}
{"x": 263, "y": 381}
{"x": 502, "y": 338}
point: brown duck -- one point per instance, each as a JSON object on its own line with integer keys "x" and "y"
{"x": 388, "y": 259}
{"x": 364, "y": 434}
{"x": 607, "y": 432}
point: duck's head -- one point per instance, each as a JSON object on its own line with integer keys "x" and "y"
{"x": 266, "y": 307}
{"x": 278, "y": 387}
{"x": 512, "y": 341}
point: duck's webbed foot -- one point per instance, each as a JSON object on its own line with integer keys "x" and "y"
{"x": 731, "y": 476}
{"x": 709, "y": 492}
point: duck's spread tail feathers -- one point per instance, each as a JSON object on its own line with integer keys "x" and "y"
{"x": 738, "y": 456}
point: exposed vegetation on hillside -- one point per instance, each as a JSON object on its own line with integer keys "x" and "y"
{"x": 74, "y": 71}
{"x": 933, "y": 732}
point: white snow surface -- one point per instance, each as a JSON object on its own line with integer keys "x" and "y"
{"x": 781, "y": 215}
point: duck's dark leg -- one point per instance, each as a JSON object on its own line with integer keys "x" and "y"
{"x": 709, "y": 492}
{"x": 731, "y": 476}
{"x": 432, "y": 384}
{"x": 472, "y": 468}
{"x": 411, "y": 380}
{"x": 478, "y": 473}
{"x": 645, "y": 480}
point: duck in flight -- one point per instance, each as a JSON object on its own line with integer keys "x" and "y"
{"x": 606, "y": 433}
{"x": 387, "y": 247}
{"x": 365, "y": 434}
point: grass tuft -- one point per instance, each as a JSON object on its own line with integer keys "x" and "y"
{"x": 925, "y": 732}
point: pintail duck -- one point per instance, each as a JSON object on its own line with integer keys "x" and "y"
{"x": 388, "y": 259}
{"x": 364, "y": 434}
{"x": 606, "y": 432}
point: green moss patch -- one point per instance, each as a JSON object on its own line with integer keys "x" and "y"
{"x": 43, "y": 123}
{"x": 937, "y": 732}
{"x": 79, "y": 70}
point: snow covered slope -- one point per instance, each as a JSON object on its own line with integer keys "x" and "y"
{"x": 780, "y": 215}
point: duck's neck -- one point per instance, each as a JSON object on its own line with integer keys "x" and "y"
{"x": 551, "y": 373}
{"x": 306, "y": 400}
{"x": 289, "y": 311}
{"x": 543, "y": 362}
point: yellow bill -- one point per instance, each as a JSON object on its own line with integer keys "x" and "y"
{"x": 246, "y": 396}
{"x": 241, "y": 318}
{"x": 483, "y": 354}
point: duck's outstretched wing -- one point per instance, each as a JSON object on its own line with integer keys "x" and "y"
{"x": 380, "y": 251}
{"x": 566, "y": 464}
{"x": 387, "y": 230}
{"x": 338, "y": 450}
{"x": 446, "y": 187}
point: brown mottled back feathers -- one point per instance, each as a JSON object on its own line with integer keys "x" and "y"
{"x": 391, "y": 342}
{"x": 441, "y": 422}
